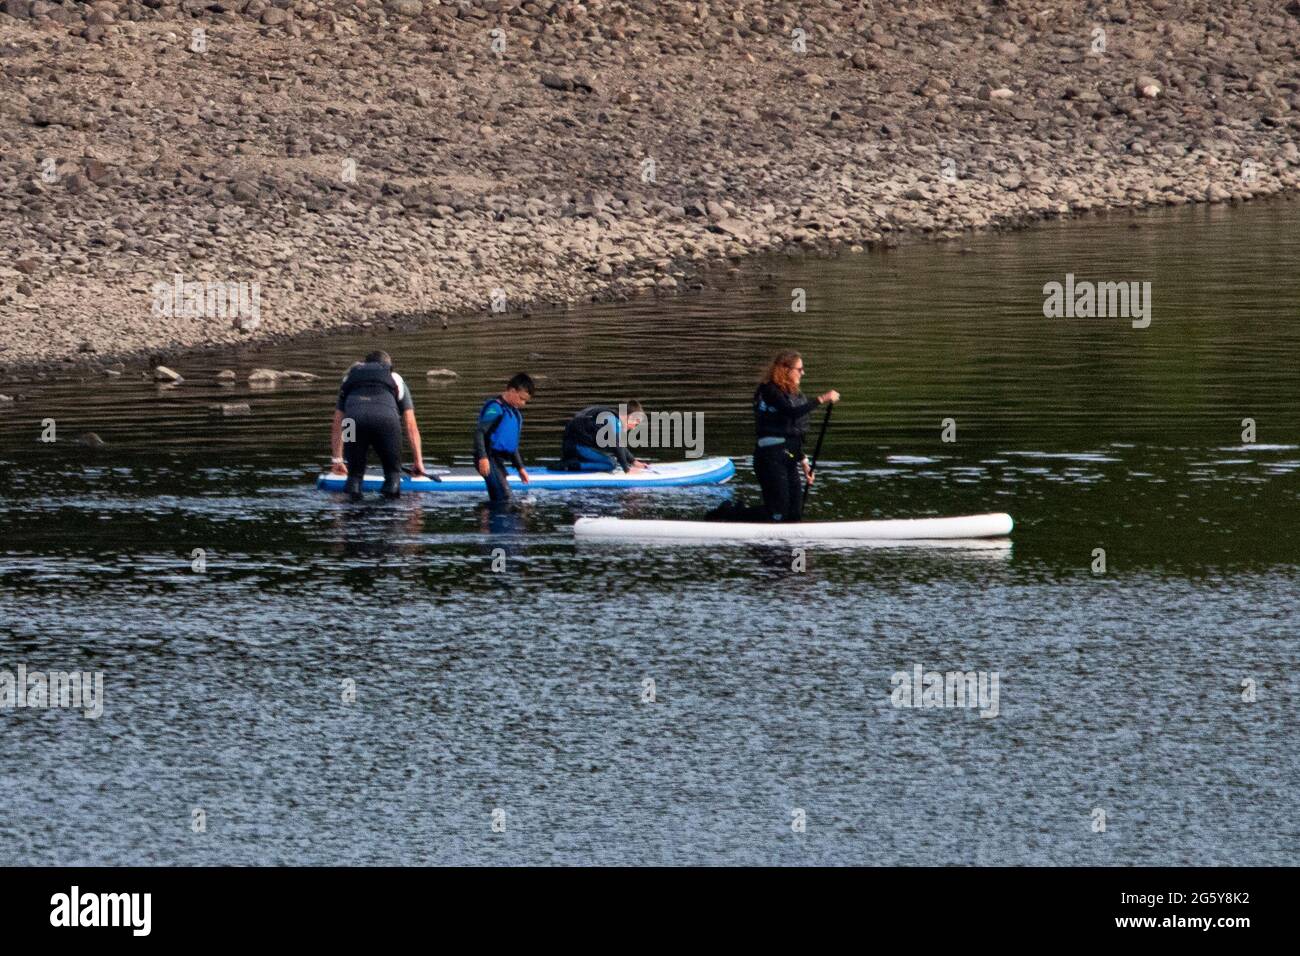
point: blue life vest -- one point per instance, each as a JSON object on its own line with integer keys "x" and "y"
{"x": 503, "y": 434}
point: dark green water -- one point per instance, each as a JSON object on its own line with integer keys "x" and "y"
{"x": 522, "y": 690}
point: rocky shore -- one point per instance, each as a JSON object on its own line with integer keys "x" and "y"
{"x": 316, "y": 165}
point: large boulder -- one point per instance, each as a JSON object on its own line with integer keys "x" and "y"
{"x": 404, "y": 8}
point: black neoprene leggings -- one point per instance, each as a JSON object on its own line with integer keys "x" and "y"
{"x": 781, "y": 479}
{"x": 498, "y": 486}
{"x": 380, "y": 429}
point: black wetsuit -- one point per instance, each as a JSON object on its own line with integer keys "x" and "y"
{"x": 373, "y": 397}
{"x": 780, "y": 422}
{"x": 582, "y": 449}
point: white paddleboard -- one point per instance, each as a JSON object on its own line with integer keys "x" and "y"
{"x": 900, "y": 529}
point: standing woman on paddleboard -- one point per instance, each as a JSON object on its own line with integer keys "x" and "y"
{"x": 780, "y": 422}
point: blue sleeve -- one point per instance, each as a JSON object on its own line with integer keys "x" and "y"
{"x": 621, "y": 453}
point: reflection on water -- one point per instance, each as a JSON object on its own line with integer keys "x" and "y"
{"x": 499, "y": 663}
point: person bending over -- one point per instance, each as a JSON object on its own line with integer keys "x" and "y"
{"x": 374, "y": 404}
{"x": 592, "y": 438}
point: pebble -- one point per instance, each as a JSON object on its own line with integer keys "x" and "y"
{"x": 1147, "y": 86}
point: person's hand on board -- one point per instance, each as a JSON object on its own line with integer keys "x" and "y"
{"x": 639, "y": 465}
{"x": 338, "y": 468}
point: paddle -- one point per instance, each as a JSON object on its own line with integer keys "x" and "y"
{"x": 430, "y": 476}
{"x": 817, "y": 450}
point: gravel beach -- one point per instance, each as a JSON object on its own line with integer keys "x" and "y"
{"x": 317, "y": 165}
